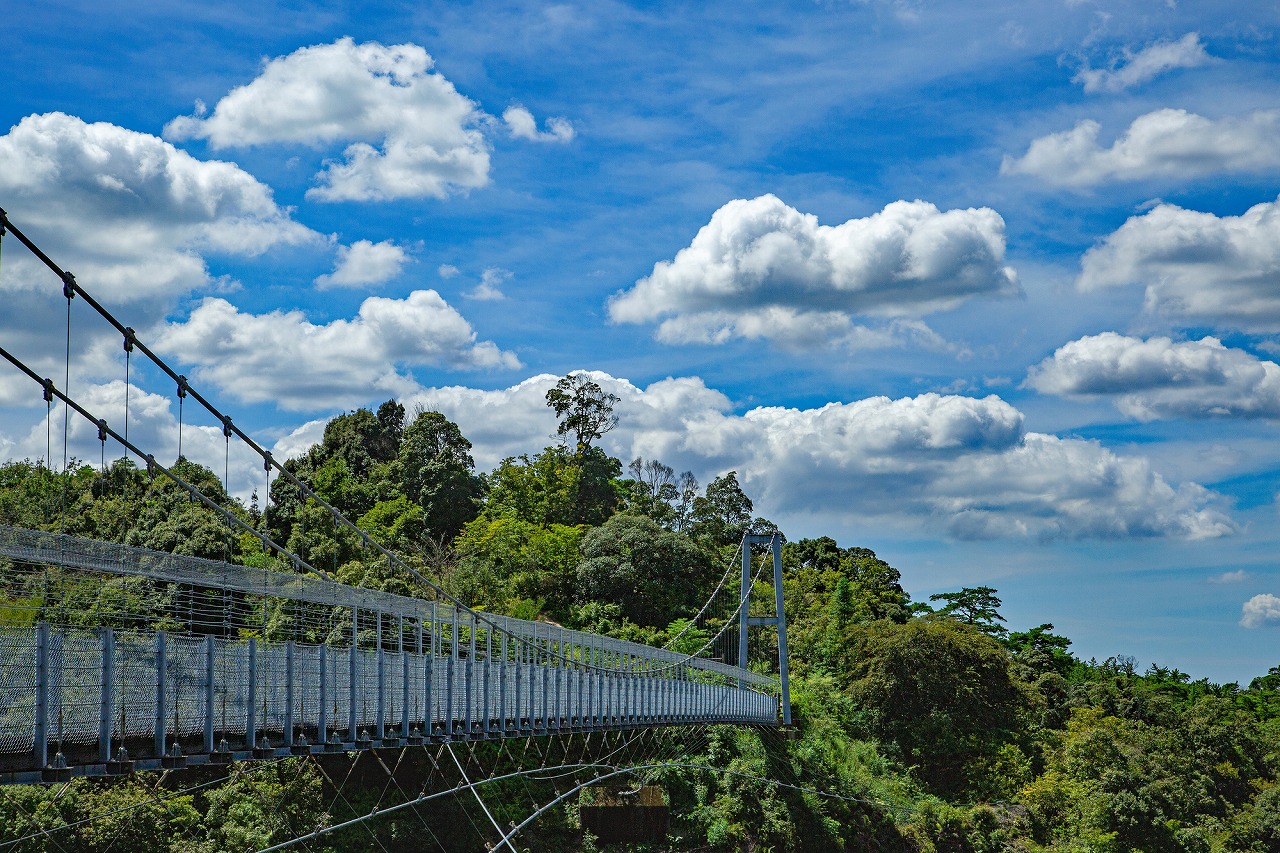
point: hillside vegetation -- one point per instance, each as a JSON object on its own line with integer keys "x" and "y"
{"x": 938, "y": 727}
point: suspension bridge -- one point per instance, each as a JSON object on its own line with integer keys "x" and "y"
{"x": 200, "y": 662}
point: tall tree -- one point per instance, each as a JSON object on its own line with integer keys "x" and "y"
{"x": 584, "y": 408}
{"x": 724, "y": 513}
{"x": 977, "y": 606}
{"x": 434, "y": 469}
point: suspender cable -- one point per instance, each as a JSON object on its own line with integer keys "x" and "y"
{"x": 128, "y": 357}
{"x": 268, "y": 461}
{"x": 68, "y": 290}
{"x": 152, "y": 465}
{"x": 182, "y": 395}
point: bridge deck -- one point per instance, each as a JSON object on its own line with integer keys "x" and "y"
{"x": 407, "y": 670}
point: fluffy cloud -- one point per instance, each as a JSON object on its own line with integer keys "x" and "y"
{"x": 1132, "y": 69}
{"x": 762, "y": 269}
{"x": 130, "y": 214}
{"x": 962, "y": 463}
{"x": 426, "y": 137}
{"x": 1165, "y": 143}
{"x": 283, "y": 357}
{"x": 1197, "y": 267}
{"x": 1263, "y": 609}
{"x": 135, "y": 219}
{"x": 490, "y": 287}
{"x": 522, "y": 125}
{"x": 1160, "y": 378}
{"x": 152, "y": 425}
{"x": 363, "y": 263}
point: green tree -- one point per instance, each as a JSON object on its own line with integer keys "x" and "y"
{"x": 555, "y": 487}
{"x": 942, "y": 692}
{"x": 584, "y": 408}
{"x": 434, "y": 468}
{"x": 977, "y": 606}
{"x": 654, "y": 575}
{"x": 723, "y": 514}
{"x": 1041, "y": 650}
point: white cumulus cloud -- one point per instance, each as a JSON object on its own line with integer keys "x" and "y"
{"x": 153, "y": 427}
{"x": 522, "y": 125}
{"x": 363, "y": 263}
{"x": 1159, "y": 378}
{"x": 1197, "y": 267}
{"x": 137, "y": 221}
{"x": 408, "y": 132}
{"x": 762, "y": 269}
{"x": 962, "y": 463}
{"x": 284, "y": 357}
{"x": 490, "y": 287}
{"x": 1262, "y": 609}
{"x": 1167, "y": 143}
{"x": 1131, "y": 68}
{"x": 129, "y": 213}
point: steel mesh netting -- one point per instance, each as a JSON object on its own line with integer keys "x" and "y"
{"x": 134, "y": 704}
{"x": 393, "y": 689}
{"x": 75, "y": 687}
{"x": 366, "y": 687}
{"x": 184, "y": 693}
{"x": 269, "y": 687}
{"x": 306, "y": 685}
{"x": 109, "y": 558}
{"x": 17, "y": 689}
{"x": 230, "y": 686}
{"x": 419, "y": 702}
{"x": 337, "y": 688}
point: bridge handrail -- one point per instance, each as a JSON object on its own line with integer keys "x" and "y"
{"x": 129, "y": 560}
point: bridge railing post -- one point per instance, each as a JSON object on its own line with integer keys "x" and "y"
{"x": 352, "y": 674}
{"x": 433, "y": 649}
{"x": 40, "y": 734}
{"x": 502, "y": 684}
{"x": 162, "y": 676}
{"x": 452, "y": 715}
{"x": 251, "y": 709}
{"x": 469, "y": 680}
{"x": 106, "y": 704}
{"x": 380, "y": 709}
{"x": 487, "y": 699}
{"x": 289, "y": 693}
{"x": 404, "y": 681}
{"x": 210, "y": 655}
{"x": 322, "y": 718}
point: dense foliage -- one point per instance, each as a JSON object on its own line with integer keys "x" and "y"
{"x": 936, "y": 730}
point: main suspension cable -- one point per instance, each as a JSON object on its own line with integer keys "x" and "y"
{"x": 71, "y": 286}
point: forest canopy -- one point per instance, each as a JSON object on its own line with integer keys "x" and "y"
{"x": 941, "y": 726}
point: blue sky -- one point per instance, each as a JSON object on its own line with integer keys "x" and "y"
{"x": 990, "y": 288}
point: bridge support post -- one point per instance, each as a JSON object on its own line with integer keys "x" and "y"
{"x": 108, "y": 694}
{"x": 469, "y": 681}
{"x": 380, "y": 712}
{"x": 40, "y": 743}
{"x": 288, "y": 693}
{"x": 404, "y": 677}
{"x": 450, "y": 715}
{"x": 778, "y": 620}
{"x": 433, "y": 647}
{"x": 322, "y": 720}
{"x": 162, "y": 667}
{"x": 251, "y": 710}
{"x": 487, "y": 719}
{"x": 209, "y": 657}
{"x": 504, "y": 712}
{"x": 352, "y": 734}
